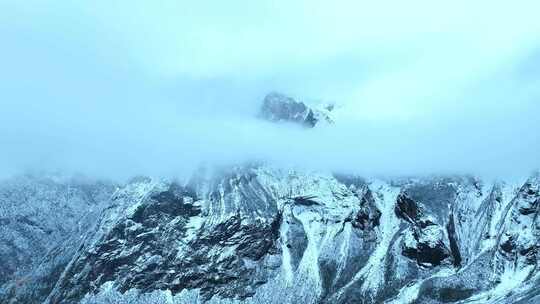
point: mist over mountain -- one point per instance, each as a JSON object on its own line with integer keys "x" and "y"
{"x": 269, "y": 152}
{"x": 123, "y": 89}
{"x": 159, "y": 142}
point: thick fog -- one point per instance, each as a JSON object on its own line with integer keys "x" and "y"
{"x": 118, "y": 88}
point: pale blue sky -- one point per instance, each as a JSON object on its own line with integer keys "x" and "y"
{"x": 156, "y": 86}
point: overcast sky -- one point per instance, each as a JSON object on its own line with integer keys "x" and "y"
{"x": 117, "y": 88}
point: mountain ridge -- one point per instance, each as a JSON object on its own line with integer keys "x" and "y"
{"x": 256, "y": 233}
{"x": 395, "y": 235}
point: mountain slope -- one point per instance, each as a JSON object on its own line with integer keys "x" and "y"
{"x": 42, "y": 218}
{"x": 264, "y": 235}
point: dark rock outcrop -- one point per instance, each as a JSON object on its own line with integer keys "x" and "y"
{"x": 281, "y": 108}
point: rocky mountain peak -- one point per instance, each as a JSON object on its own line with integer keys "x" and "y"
{"x": 278, "y": 107}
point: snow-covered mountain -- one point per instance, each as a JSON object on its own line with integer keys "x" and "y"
{"x": 42, "y": 220}
{"x": 261, "y": 234}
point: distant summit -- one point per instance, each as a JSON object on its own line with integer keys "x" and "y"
{"x": 278, "y": 107}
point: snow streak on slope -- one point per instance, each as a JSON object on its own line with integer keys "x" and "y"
{"x": 372, "y": 274}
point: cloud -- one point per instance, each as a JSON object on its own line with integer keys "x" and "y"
{"x": 121, "y": 88}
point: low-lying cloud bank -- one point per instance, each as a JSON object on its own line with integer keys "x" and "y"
{"x": 162, "y": 144}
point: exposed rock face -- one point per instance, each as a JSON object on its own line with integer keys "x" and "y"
{"x": 160, "y": 244}
{"x": 257, "y": 234}
{"x": 518, "y": 239}
{"x": 278, "y": 107}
